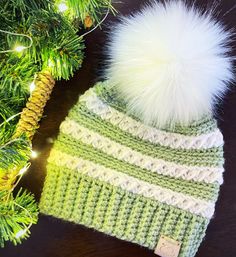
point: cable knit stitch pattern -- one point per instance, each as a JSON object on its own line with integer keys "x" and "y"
{"x": 148, "y": 133}
{"x": 110, "y": 172}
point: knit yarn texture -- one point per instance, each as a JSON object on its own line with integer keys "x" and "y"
{"x": 110, "y": 172}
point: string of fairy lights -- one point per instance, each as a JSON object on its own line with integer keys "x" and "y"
{"x": 62, "y": 7}
{"x": 17, "y": 48}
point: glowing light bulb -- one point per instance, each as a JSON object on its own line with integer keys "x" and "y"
{"x": 50, "y": 63}
{"x": 62, "y": 7}
{"x": 23, "y": 170}
{"x": 32, "y": 87}
{"x": 19, "y": 48}
{"x": 34, "y": 154}
{"x": 20, "y": 233}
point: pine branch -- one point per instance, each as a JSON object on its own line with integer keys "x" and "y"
{"x": 82, "y": 9}
{"x": 16, "y": 74}
{"x": 60, "y": 52}
{"x": 9, "y": 106}
{"x": 16, "y": 215}
{"x": 57, "y": 46}
{"x": 13, "y": 152}
{"x": 22, "y": 9}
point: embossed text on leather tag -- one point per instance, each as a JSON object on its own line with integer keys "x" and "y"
{"x": 167, "y": 247}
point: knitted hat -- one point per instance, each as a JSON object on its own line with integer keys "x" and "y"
{"x": 140, "y": 157}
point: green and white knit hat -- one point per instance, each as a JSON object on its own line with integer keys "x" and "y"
{"x": 140, "y": 157}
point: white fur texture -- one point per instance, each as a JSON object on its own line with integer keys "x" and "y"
{"x": 170, "y": 62}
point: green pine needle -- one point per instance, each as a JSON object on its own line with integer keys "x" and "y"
{"x": 13, "y": 152}
{"x": 61, "y": 52}
{"x": 16, "y": 214}
{"x": 16, "y": 74}
{"x": 80, "y": 9}
{"x": 57, "y": 46}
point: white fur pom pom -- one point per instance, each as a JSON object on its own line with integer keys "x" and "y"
{"x": 170, "y": 62}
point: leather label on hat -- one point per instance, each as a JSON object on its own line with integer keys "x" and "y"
{"x": 167, "y": 247}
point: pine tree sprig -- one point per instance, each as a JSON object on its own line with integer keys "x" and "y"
{"x": 49, "y": 41}
{"x": 16, "y": 74}
{"x": 60, "y": 52}
{"x": 17, "y": 214}
{"x": 81, "y": 10}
